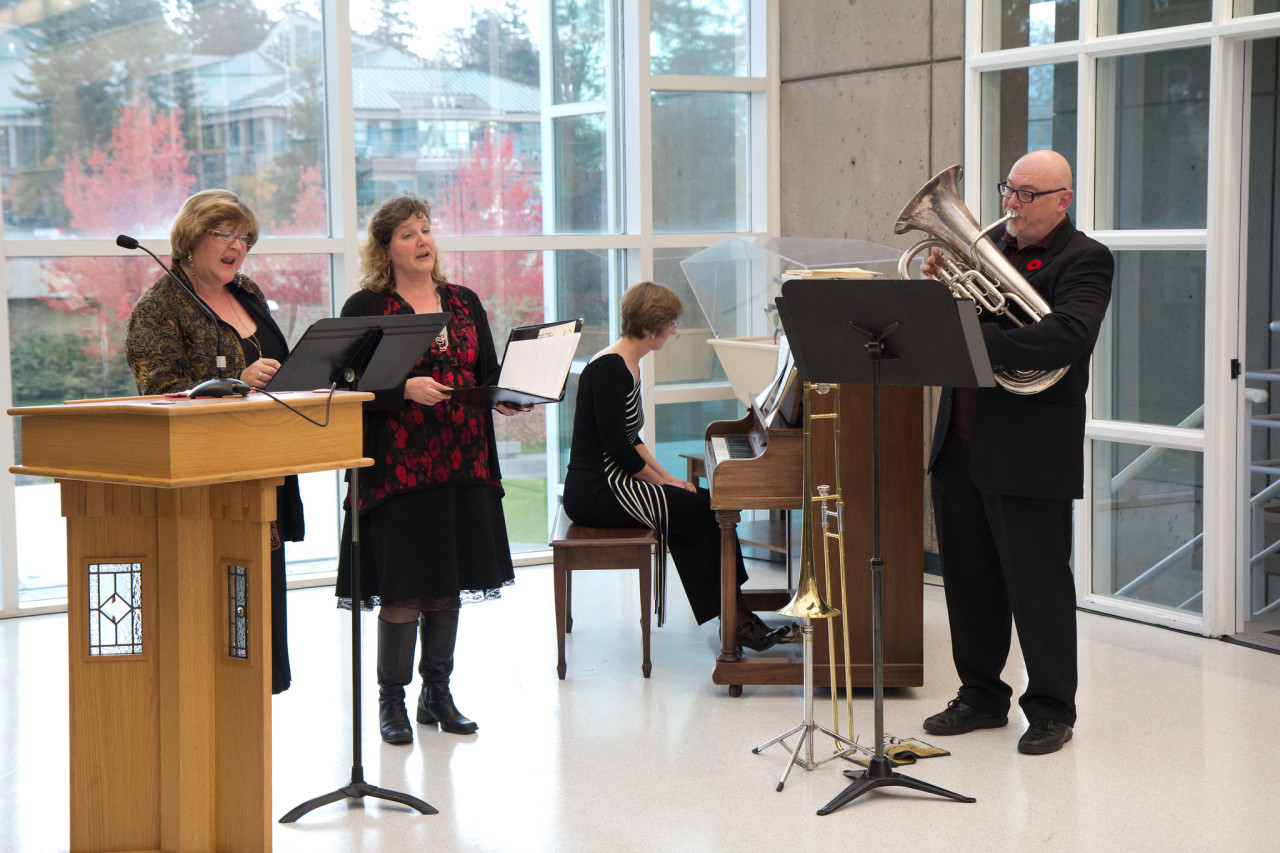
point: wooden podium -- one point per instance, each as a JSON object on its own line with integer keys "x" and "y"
{"x": 169, "y": 504}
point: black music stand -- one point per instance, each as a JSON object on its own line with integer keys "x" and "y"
{"x": 880, "y": 332}
{"x": 362, "y": 354}
{"x": 378, "y": 352}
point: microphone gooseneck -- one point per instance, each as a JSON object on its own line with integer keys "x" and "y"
{"x": 222, "y": 386}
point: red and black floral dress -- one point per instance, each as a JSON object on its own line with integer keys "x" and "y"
{"x": 431, "y": 520}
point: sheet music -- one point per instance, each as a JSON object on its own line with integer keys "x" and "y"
{"x": 545, "y": 330}
{"x": 767, "y": 400}
{"x": 568, "y": 327}
{"x": 539, "y": 365}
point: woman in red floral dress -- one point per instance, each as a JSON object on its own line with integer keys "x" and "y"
{"x": 432, "y": 531}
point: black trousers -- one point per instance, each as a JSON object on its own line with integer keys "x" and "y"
{"x": 1006, "y": 561}
{"x": 693, "y": 534}
{"x": 281, "y": 673}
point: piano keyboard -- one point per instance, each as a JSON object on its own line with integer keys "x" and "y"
{"x": 733, "y": 446}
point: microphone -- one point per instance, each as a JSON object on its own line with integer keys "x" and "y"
{"x": 222, "y": 386}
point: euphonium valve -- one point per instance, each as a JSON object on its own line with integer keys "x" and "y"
{"x": 976, "y": 270}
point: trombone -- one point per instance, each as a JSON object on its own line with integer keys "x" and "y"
{"x": 808, "y": 603}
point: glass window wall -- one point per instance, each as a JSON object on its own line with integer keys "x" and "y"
{"x": 1134, "y": 16}
{"x": 1255, "y": 7}
{"x": 1030, "y": 108}
{"x": 1148, "y": 521}
{"x": 707, "y": 38}
{"x": 1153, "y": 140}
{"x": 119, "y": 112}
{"x": 1028, "y": 23}
{"x": 1149, "y": 361}
{"x": 701, "y": 162}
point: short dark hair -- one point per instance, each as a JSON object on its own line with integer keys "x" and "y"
{"x": 648, "y": 307}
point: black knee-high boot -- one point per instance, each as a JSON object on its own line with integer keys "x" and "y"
{"x": 435, "y": 703}
{"x": 396, "y": 641}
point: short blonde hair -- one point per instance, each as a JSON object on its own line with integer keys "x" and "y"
{"x": 205, "y": 211}
{"x": 375, "y": 261}
{"x": 648, "y": 307}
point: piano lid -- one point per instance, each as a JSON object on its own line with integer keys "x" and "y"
{"x": 736, "y": 280}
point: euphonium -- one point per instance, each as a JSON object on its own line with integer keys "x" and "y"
{"x": 977, "y": 270}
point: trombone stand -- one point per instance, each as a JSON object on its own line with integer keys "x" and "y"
{"x": 844, "y": 746}
{"x": 879, "y": 772}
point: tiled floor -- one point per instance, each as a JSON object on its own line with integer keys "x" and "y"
{"x": 1178, "y": 745}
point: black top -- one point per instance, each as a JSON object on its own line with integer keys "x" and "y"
{"x": 601, "y": 421}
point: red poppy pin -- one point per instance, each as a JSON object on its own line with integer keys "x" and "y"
{"x": 1034, "y": 264}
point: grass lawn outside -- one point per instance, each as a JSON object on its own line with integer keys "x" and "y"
{"x": 525, "y": 507}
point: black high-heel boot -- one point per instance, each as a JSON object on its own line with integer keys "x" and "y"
{"x": 396, "y": 642}
{"x": 435, "y": 703}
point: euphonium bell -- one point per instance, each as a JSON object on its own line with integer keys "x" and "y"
{"x": 977, "y": 270}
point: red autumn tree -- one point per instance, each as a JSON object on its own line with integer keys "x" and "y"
{"x": 134, "y": 186}
{"x": 492, "y": 193}
{"x": 298, "y": 284}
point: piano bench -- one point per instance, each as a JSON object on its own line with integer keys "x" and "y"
{"x": 578, "y": 548}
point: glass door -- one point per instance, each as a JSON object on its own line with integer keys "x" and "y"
{"x": 1258, "y": 581}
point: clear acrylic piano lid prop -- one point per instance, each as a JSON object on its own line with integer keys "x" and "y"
{"x": 736, "y": 280}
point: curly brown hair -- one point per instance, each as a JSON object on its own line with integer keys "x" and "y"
{"x": 648, "y": 307}
{"x": 375, "y": 261}
{"x": 205, "y": 211}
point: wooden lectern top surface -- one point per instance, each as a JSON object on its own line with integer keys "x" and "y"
{"x": 171, "y": 442}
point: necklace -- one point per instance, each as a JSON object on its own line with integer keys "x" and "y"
{"x": 253, "y": 339}
{"x": 442, "y": 338}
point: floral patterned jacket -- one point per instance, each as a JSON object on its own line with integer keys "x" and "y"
{"x": 415, "y": 446}
{"x": 171, "y": 343}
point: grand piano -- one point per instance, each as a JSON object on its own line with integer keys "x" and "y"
{"x": 757, "y": 463}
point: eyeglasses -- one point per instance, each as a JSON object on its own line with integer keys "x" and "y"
{"x": 675, "y": 324}
{"x": 224, "y": 237}
{"x": 1024, "y": 196}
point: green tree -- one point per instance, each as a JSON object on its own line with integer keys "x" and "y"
{"x": 84, "y": 63}
{"x": 579, "y": 51}
{"x": 225, "y": 27}
{"x": 694, "y": 38}
{"x": 305, "y": 132}
{"x": 394, "y": 27}
{"x": 496, "y": 42}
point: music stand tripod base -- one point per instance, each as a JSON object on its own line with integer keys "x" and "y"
{"x": 807, "y": 727}
{"x": 879, "y": 774}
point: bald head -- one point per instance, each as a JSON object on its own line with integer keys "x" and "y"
{"x": 1048, "y": 165}
{"x": 1048, "y": 175}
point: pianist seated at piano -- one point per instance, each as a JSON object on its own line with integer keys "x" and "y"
{"x": 615, "y": 481}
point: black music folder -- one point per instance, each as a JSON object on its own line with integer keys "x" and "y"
{"x": 535, "y": 367}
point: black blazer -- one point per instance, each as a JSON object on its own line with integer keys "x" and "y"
{"x": 1033, "y": 445}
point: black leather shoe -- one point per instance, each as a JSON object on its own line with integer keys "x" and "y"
{"x": 1043, "y": 737}
{"x": 749, "y": 638}
{"x": 960, "y": 718}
